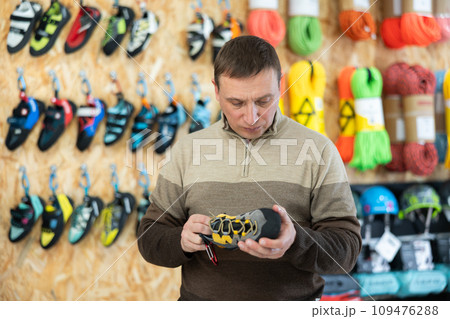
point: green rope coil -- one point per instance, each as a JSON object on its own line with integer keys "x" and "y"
{"x": 304, "y": 35}
{"x": 371, "y": 147}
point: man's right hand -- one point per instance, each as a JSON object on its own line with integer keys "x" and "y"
{"x": 190, "y": 240}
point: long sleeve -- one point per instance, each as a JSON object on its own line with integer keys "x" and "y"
{"x": 159, "y": 234}
{"x": 331, "y": 242}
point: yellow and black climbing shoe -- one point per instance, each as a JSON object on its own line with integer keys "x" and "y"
{"x": 227, "y": 230}
{"x": 55, "y": 216}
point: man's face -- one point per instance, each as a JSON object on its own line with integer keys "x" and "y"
{"x": 249, "y": 104}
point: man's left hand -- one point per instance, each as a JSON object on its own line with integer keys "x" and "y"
{"x": 272, "y": 248}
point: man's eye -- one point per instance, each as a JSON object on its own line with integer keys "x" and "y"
{"x": 263, "y": 102}
{"x": 237, "y": 103}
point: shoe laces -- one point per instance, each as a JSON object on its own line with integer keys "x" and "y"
{"x": 225, "y": 225}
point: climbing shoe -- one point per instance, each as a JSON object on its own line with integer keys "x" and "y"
{"x": 230, "y": 29}
{"x": 23, "y": 21}
{"x": 201, "y": 117}
{"x": 22, "y": 121}
{"x": 141, "y": 33}
{"x": 114, "y": 216}
{"x": 89, "y": 117}
{"x": 55, "y": 216}
{"x": 57, "y": 118}
{"x": 117, "y": 27}
{"x": 227, "y": 230}
{"x": 169, "y": 121}
{"x": 84, "y": 217}
{"x": 24, "y": 216}
{"x": 199, "y": 32}
{"x": 49, "y": 28}
{"x": 144, "y": 204}
{"x": 117, "y": 119}
{"x": 82, "y": 28}
{"x": 143, "y": 126}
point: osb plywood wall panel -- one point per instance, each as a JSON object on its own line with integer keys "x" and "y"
{"x": 88, "y": 270}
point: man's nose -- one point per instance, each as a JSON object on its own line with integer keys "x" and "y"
{"x": 251, "y": 114}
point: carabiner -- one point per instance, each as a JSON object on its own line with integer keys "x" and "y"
{"x": 116, "y": 82}
{"x": 227, "y": 5}
{"x": 114, "y": 178}
{"x": 196, "y": 89}
{"x": 142, "y": 86}
{"x": 20, "y": 80}
{"x": 169, "y": 83}
{"x": 85, "y": 175}
{"x": 55, "y": 82}
{"x": 25, "y": 181}
{"x": 144, "y": 180}
{"x": 85, "y": 82}
{"x": 52, "y": 186}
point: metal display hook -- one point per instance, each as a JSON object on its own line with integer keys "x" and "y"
{"x": 85, "y": 175}
{"x": 25, "y": 181}
{"x": 53, "y": 186}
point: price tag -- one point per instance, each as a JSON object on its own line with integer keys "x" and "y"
{"x": 425, "y": 128}
{"x": 309, "y": 8}
{"x": 388, "y": 246}
{"x": 424, "y": 6}
{"x": 400, "y": 129}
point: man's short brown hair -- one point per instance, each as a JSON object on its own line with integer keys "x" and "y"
{"x": 244, "y": 57}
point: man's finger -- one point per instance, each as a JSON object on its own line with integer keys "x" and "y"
{"x": 283, "y": 214}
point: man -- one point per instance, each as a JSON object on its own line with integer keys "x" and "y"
{"x": 253, "y": 158}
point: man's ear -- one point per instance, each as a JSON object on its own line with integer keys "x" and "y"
{"x": 216, "y": 89}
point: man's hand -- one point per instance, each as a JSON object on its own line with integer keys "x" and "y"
{"x": 190, "y": 240}
{"x": 272, "y": 248}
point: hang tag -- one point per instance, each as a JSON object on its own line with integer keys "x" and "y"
{"x": 308, "y": 8}
{"x": 388, "y": 246}
{"x": 400, "y": 129}
{"x": 397, "y": 7}
{"x": 263, "y": 4}
{"x": 371, "y": 109}
{"x": 422, "y": 6}
{"x": 318, "y": 104}
{"x": 424, "y": 258}
{"x": 425, "y": 128}
{"x": 363, "y": 4}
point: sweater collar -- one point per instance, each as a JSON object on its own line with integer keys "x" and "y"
{"x": 272, "y": 130}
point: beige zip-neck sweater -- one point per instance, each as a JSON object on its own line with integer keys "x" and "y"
{"x": 215, "y": 171}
